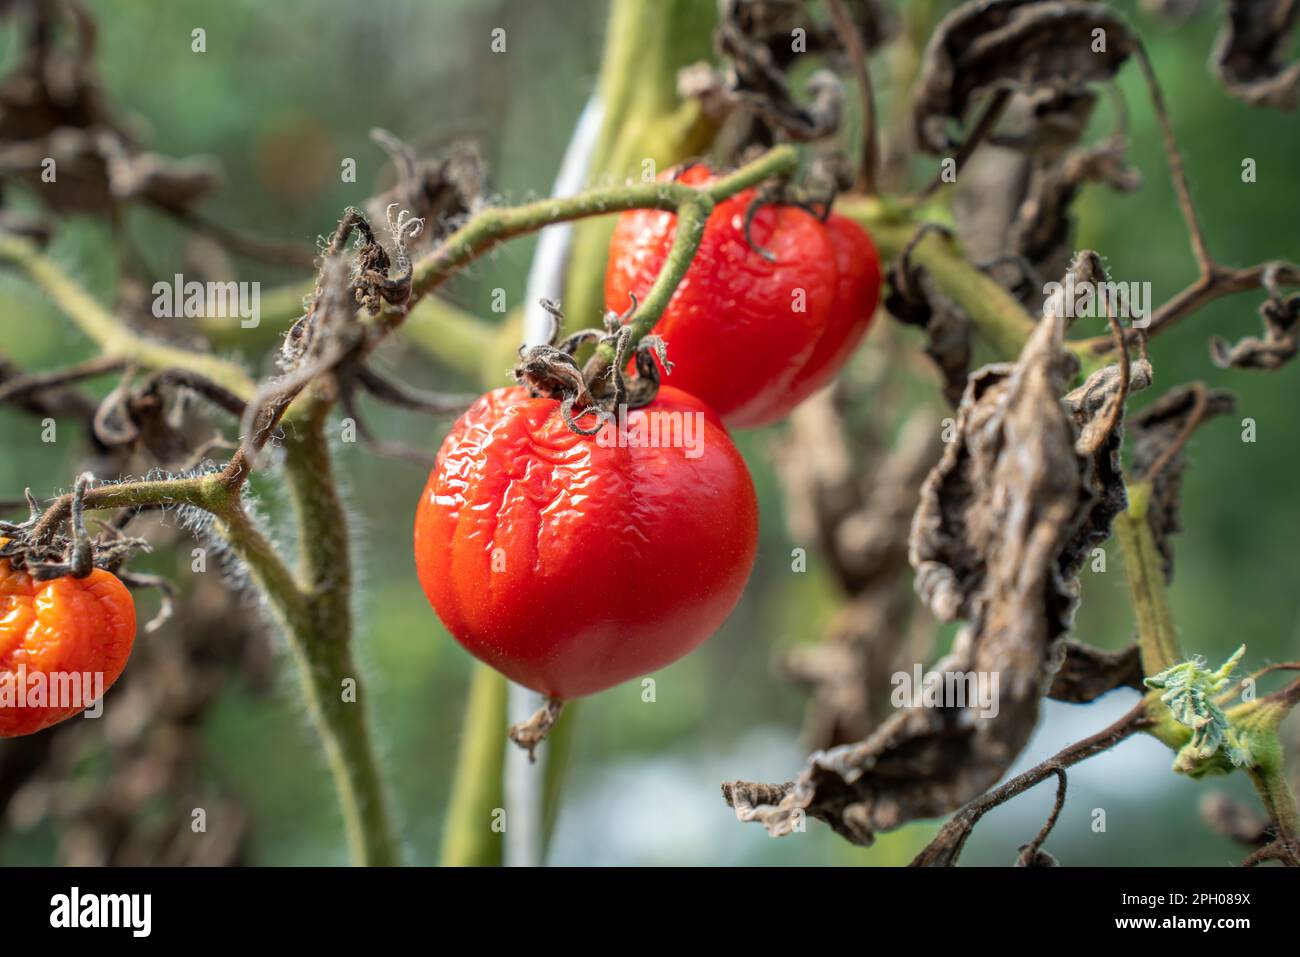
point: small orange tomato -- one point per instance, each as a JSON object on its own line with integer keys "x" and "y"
{"x": 62, "y": 643}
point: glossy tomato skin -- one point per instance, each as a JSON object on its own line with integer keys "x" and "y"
{"x": 64, "y": 627}
{"x": 857, "y": 293}
{"x": 750, "y": 337}
{"x": 570, "y": 564}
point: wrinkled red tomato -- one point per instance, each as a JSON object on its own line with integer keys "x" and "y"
{"x": 63, "y": 643}
{"x": 571, "y": 563}
{"x": 751, "y": 337}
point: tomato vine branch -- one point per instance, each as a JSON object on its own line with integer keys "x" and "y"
{"x": 97, "y": 322}
{"x": 947, "y": 845}
{"x": 313, "y": 605}
{"x": 495, "y": 225}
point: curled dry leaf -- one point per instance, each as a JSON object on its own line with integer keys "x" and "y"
{"x": 1042, "y": 228}
{"x": 994, "y": 542}
{"x": 916, "y": 300}
{"x": 1250, "y": 49}
{"x": 978, "y": 490}
{"x": 1087, "y": 673}
{"x": 1013, "y": 200}
{"x": 756, "y": 40}
{"x": 1005, "y": 520}
{"x": 1096, "y": 407}
{"x": 1276, "y": 349}
{"x": 1154, "y": 431}
{"x": 1090, "y": 400}
{"x": 1012, "y": 46}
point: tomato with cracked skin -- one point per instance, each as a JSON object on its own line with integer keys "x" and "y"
{"x": 59, "y": 630}
{"x": 752, "y": 337}
{"x": 571, "y": 563}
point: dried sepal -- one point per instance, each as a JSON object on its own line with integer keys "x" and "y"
{"x": 55, "y": 543}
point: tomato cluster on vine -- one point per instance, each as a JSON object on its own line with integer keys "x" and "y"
{"x": 571, "y": 562}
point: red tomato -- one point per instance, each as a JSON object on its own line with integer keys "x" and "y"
{"x": 54, "y": 635}
{"x": 751, "y": 337}
{"x": 570, "y": 564}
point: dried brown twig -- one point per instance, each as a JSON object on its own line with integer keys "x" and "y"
{"x": 947, "y": 846}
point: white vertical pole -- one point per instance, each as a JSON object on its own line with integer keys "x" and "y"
{"x": 523, "y": 781}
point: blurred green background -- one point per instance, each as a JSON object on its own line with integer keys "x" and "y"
{"x": 288, "y": 89}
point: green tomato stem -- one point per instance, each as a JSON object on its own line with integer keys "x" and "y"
{"x": 112, "y": 336}
{"x": 478, "y": 789}
{"x": 1157, "y": 637}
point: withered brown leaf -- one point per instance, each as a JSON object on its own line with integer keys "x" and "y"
{"x": 852, "y": 492}
{"x": 1249, "y": 51}
{"x": 1087, "y": 673}
{"x": 1003, "y": 523}
{"x": 916, "y": 300}
{"x": 1016, "y": 46}
{"x": 995, "y": 515}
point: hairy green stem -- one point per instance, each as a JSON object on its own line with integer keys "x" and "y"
{"x": 314, "y": 616}
{"x": 1280, "y": 803}
{"x": 692, "y": 216}
{"x": 493, "y": 226}
{"x": 321, "y": 644}
{"x": 1157, "y": 639}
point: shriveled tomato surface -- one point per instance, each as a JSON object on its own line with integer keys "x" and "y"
{"x": 64, "y": 627}
{"x": 570, "y": 565}
{"x": 752, "y": 337}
